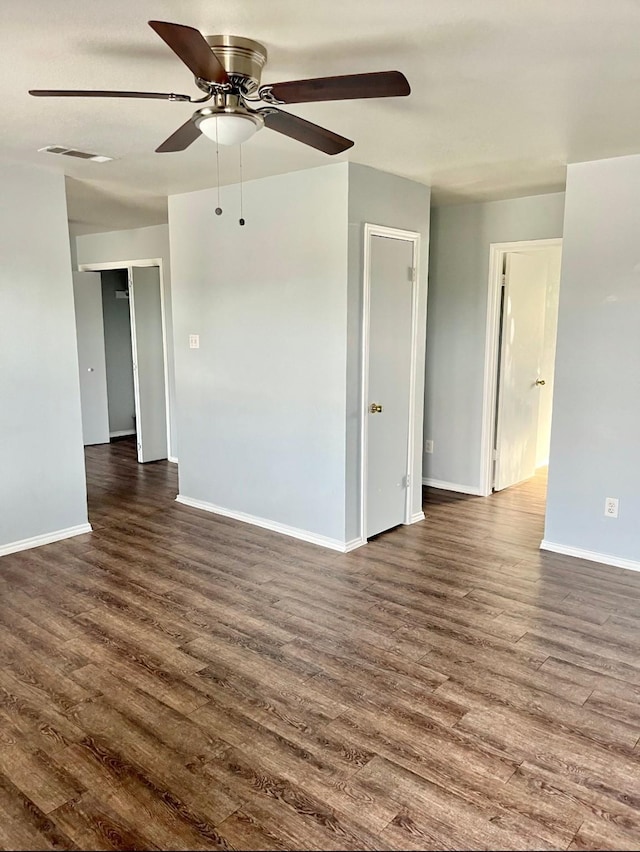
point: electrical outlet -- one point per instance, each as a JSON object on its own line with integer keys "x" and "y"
{"x": 428, "y": 446}
{"x": 611, "y": 507}
{"x": 194, "y": 341}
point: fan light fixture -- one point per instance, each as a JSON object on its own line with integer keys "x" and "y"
{"x": 229, "y": 128}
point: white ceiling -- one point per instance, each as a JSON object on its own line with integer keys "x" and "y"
{"x": 504, "y": 93}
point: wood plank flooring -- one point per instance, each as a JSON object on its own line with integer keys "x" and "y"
{"x": 177, "y": 680}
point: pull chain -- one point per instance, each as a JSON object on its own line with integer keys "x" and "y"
{"x": 218, "y": 208}
{"x": 241, "y": 220}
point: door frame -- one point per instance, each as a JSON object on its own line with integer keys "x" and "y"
{"x": 371, "y": 230}
{"x": 497, "y": 252}
{"x": 83, "y": 286}
{"x": 129, "y": 266}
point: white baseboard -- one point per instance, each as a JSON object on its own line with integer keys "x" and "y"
{"x": 591, "y": 555}
{"x": 122, "y": 433}
{"x": 172, "y": 459}
{"x": 283, "y": 529}
{"x": 47, "y": 538}
{"x": 416, "y": 518}
{"x": 452, "y": 486}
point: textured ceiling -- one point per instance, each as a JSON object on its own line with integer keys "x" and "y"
{"x": 505, "y": 93}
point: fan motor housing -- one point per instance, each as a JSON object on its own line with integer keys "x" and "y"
{"x": 243, "y": 59}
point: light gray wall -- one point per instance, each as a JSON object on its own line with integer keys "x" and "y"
{"x": 140, "y": 244}
{"x": 42, "y": 482}
{"x": 261, "y": 403}
{"x": 117, "y": 347}
{"x": 595, "y": 451}
{"x": 73, "y": 247}
{"x": 380, "y": 199}
{"x": 456, "y": 322}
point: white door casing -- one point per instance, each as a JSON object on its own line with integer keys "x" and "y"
{"x": 129, "y": 266}
{"x": 389, "y": 347}
{"x": 519, "y": 388}
{"x": 87, "y": 296}
{"x": 147, "y": 343}
{"x": 497, "y": 253}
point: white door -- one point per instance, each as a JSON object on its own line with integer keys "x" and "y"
{"x": 519, "y": 379}
{"x": 87, "y": 296}
{"x": 147, "y": 344}
{"x": 389, "y": 382}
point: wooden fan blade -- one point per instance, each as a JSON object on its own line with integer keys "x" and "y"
{"x": 306, "y": 132}
{"x": 93, "y": 93}
{"x": 181, "y": 139}
{"x": 191, "y": 47}
{"x": 381, "y": 84}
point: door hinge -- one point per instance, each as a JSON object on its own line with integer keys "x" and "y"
{"x": 407, "y": 481}
{"x": 494, "y": 455}
{"x": 413, "y": 274}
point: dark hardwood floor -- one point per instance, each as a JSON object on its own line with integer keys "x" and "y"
{"x": 177, "y": 680}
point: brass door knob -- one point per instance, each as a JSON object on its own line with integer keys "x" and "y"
{"x": 540, "y": 382}
{"x": 374, "y": 408}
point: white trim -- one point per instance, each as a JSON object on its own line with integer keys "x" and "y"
{"x": 121, "y": 433}
{"x": 274, "y": 526}
{"x": 165, "y": 356}
{"x": 415, "y": 518}
{"x": 489, "y": 389}
{"x": 364, "y": 381}
{"x": 453, "y": 486}
{"x": 591, "y": 555}
{"x": 370, "y": 231}
{"x": 129, "y": 265}
{"x": 413, "y": 368}
{"x": 173, "y": 459}
{"x": 47, "y": 538}
{"x": 134, "y": 356}
{"x": 119, "y": 264}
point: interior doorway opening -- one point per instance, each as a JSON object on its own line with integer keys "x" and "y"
{"x": 122, "y": 357}
{"x": 121, "y": 405}
{"x": 522, "y": 318}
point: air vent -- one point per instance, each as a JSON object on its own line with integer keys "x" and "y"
{"x": 72, "y": 152}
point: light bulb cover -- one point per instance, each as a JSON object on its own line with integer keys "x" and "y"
{"x": 229, "y": 128}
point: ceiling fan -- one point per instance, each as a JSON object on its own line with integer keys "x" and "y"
{"x": 228, "y": 70}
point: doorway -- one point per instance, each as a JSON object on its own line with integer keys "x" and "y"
{"x": 389, "y": 343}
{"x": 122, "y": 357}
{"x": 522, "y": 320}
{"x": 116, "y": 317}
